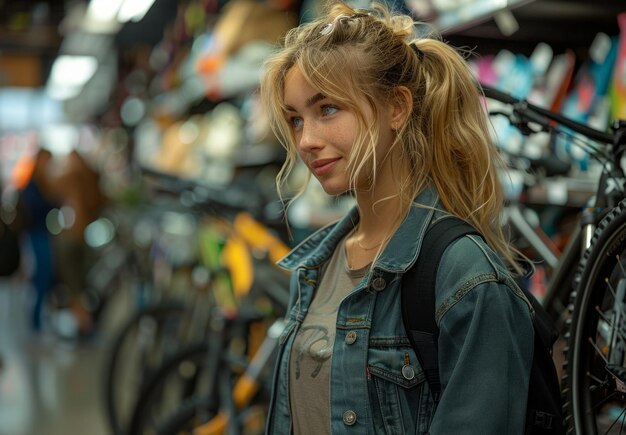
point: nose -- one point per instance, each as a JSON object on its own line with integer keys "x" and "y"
{"x": 309, "y": 138}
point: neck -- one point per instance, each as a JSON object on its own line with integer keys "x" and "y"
{"x": 378, "y": 213}
{"x": 381, "y": 206}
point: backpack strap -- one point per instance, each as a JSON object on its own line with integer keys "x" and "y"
{"x": 418, "y": 295}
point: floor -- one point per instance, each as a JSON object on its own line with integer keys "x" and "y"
{"x": 48, "y": 386}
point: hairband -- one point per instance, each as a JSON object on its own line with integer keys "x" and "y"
{"x": 419, "y": 53}
{"x": 342, "y": 18}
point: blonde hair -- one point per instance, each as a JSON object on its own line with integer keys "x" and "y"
{"x": 353, "y": 55}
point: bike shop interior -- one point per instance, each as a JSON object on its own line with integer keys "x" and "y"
{"x": 137, "y": 168}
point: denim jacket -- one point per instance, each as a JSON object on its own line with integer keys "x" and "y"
{"x": 485, "y": 342}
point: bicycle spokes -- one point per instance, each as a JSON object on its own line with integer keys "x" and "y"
{"x": 605, "y": 368}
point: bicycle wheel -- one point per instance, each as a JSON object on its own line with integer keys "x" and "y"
{"x": 138, "y": 347}
{"x": 193, "y": 373}
{"x": 594, "y": 383}
{"x": 189, "y": 415}
{"x": 179, "y": 377}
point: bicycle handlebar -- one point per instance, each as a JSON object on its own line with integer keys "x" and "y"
{"x": 224, "y": 200}
{"x": 537, "y": 114}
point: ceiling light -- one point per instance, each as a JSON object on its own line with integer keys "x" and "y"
{"x": 134, "y": 10}
{"x": 104, "y": 10}
{"x": 73, "y": 70}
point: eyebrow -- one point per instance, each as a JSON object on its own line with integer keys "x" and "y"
{"x": 309, "y": 102}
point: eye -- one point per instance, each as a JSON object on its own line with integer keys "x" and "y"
{"x": 329, "y": 110}
{"x": 296, "y": 122}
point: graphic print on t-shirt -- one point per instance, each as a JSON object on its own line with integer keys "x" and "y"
{"x": 317, "y": 344}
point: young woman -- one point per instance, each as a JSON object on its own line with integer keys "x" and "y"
{"x": 397, "y": 122}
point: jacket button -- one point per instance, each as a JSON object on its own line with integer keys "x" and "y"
{"x": 349, "y": 418}
{"x": 408, "y": 372}
{"x": 379, "y": 284}
{"x": 350, "y": 337}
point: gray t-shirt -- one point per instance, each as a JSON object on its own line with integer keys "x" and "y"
{"x": 309, "y": 366}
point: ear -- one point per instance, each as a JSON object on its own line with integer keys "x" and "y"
{"x": 401, "y": 107}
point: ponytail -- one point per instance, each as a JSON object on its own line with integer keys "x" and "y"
{"x": 459, "y": 157}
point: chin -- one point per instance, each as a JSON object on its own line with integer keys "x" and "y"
{"x": 334, "y": 189}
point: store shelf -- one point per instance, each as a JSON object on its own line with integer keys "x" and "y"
{"x": 566, "y": 192}
{"x": 564, "y": 24}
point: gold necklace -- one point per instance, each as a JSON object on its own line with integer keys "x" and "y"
{"x": 359, "y": 244}
{"x": 366, "y": 248}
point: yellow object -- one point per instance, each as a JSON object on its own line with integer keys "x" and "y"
{"x": 237, "y": 260}
{"x": 260, "y": 237}
{"x": 248, "y": 235}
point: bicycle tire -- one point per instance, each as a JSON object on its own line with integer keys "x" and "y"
{"x": 587, "y": 384}
{"x": 154, "y": 385}
{"x": 561, "y": 283}
{"x": 114, "y": 409}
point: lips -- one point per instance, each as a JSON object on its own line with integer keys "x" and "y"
{"x": 322, "y": 166}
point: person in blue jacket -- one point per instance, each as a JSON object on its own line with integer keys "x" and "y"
{"x": 396, "y": 121}
{"x": 36, "y": 201}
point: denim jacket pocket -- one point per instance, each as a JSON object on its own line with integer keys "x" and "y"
{"x": 395, "y": 383}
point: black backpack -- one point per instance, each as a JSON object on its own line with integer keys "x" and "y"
{"x": 544, "y": 413}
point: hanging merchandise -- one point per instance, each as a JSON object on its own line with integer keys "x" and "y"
{"x": 588, "y": 102}
{"x": 222, "y": 137}
{"x": 618, "y": 88}
{"x": 525, "y": 78}
{"x": 558, "y": 79}
{"x": 241, "y": 40}
{"x": 178, "y": 151}
{"x": 515, "y": 74}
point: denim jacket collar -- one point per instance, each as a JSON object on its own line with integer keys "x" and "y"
{"x": 397, "y": 257}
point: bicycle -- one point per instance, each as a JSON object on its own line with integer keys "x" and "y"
{"x": 166, "y": 320}
{"x": 157, "y": 323}
{"x": 594, "y": 370}
{"x": 230, "y": 360}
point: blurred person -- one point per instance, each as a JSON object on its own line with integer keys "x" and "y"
{"x": 77, "y": 187}
{"x": 35, "y": 201}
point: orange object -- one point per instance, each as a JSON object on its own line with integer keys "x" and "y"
{"x": 244, "y": 391}
{"x": 210, "y": 64}
{"x": 23, "y": 171}
{"x": 215, "y": 426}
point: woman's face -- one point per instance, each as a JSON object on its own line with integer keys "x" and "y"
{"x": 325, "y": 131}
